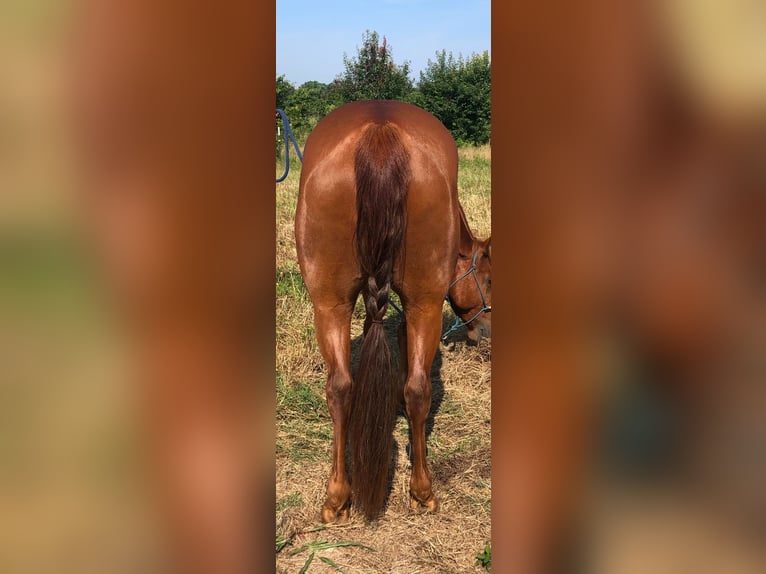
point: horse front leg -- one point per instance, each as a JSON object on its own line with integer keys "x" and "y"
{"x": 332, "y": 328}
{"x": 423, "y": 332}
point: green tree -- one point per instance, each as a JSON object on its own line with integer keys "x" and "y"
{"x": 284, "y": 91}
{"x": 333, "y": 93}
{"x": 373, "y": 74}
{"x": 458, "y": 92}
{"x": 307, "y": 104}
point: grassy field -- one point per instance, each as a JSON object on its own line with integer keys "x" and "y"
{"x": 458, "y": 443}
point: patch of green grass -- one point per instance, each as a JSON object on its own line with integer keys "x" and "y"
{"x": 290, "y": 284}
{"x": 315, "y": 547}
{"x": 292, "y": 499}
{"x": 484, "y": 559}
{"x": 299, "y": 398}
{"x": 481, "y": 502}
{"x": 473, "y": 163}
{"x": 281, "y": 543}
{"x": 450, "y": 451}
{"x": 302, "y": 449}
{"x": 359, "y": 310}
{"x": 308, "y": 335}
{"x": 449, "y": 406}
{"x": 304, "y": 425}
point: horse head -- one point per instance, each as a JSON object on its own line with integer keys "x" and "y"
{"x": 470, "y": 293}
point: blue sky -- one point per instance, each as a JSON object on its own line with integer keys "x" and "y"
{"x": 312, "y": 36}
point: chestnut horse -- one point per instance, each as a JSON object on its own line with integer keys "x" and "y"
{"x": 378, "y": 211}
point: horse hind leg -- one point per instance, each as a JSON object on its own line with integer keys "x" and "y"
{"x": 332, "y": 329}
{"x": 423, "y": 332}
{"x": 402, "y": 376}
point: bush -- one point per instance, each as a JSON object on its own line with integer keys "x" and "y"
{"x": 458, "y": 92}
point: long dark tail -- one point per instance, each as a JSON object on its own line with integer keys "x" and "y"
{"x": 382, "y": 167}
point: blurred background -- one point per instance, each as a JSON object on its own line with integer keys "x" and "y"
{"x": 71, "y": 492}
{"x": 683, "y": 435}
{"x": 635, "y": 136}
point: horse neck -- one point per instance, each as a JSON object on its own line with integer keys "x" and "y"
{"x": 467, "y": 238}
{"x": 466, "y": 249}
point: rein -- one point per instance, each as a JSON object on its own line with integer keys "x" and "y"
{"x": 289, "y": 137}
{"x": 458, "y": 321}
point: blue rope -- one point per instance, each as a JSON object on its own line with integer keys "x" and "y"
{"x": 396, "y": 307}
{"x": 289, "y": 137}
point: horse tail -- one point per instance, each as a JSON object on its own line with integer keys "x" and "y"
{"x": 382, "y": 169}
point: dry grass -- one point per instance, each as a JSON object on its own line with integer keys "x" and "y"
{"x": 458, "y": 442}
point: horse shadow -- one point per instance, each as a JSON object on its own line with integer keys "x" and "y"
{"x": 391, "y": 326}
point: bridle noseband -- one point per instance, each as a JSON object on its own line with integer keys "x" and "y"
{"x": 484, "y": 307}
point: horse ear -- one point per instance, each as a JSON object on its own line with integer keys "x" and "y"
{"x": 488, "y": 246}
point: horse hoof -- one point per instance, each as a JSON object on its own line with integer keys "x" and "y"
{"x": 330, "y": 514}
{"x": 431, "y": 504}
